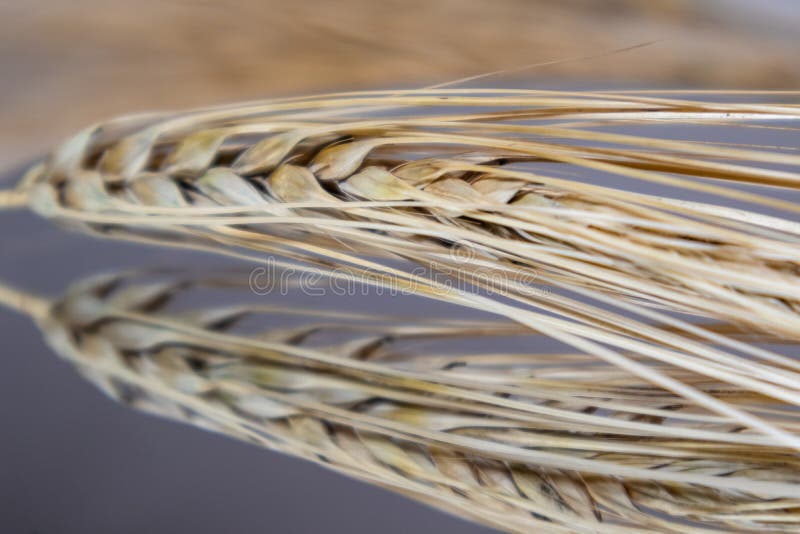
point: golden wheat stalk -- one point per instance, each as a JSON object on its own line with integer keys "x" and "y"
{"x": 517, "y": 440}
{"x": 415, "y": 177}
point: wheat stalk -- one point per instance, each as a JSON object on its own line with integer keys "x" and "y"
{"x": 561, "y": 444}
{"x": 415, "y": 177}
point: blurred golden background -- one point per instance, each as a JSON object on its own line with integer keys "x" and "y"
{"x": 67, "y": 63}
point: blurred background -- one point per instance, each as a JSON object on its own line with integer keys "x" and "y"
{"x": 75, "y": 462}
{"x": 65, "y": 64}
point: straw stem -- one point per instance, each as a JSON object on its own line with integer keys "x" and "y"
{"x": 13, "y": 198}
{"x": 22, "y": 302}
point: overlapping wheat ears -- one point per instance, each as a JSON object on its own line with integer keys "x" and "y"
{"x": 665, "y": 266}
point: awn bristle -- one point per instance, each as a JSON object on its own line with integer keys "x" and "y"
{"x": 666, "y": 287}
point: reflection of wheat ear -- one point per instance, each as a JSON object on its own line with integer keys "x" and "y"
{"x": 561, "y": 444}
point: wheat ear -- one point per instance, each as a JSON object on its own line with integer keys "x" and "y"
{"x": 403, "y": 174}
